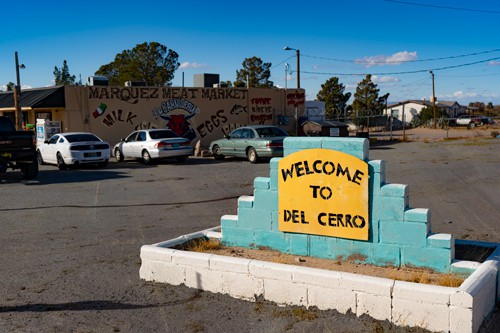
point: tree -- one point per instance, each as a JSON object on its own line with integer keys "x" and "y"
{"x": 254, "y": 73}
{"x": 151, "y": 62}
{"x": 366, "y": 99}
{"x": 62, "y": 76}
{"x": 10, "y": 86}
{"x": 332, "y": 93}
{"x": 426, "y": 115}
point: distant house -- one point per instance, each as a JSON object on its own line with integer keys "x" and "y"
{"x": 410, "y": 109}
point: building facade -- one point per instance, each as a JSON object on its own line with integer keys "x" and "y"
{"x": 197, "y": 113}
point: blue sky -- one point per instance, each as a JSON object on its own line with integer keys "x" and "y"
{"x": 398, "y": 42}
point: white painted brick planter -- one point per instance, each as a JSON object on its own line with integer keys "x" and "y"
{"x": 436, "y": 308}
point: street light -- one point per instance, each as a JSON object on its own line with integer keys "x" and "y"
{"x": 286, "y": 48}
{"x": 17, "y": 96}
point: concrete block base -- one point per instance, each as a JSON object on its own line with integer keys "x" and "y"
{"x": 443, "y": 309}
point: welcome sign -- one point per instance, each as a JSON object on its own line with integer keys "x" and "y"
{"x": 323, "y": 192}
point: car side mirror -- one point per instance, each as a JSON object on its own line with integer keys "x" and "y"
{"x": 122, "y": 139}
{"x": 227, "y": 137}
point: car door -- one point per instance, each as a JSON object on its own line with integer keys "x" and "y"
{"x": 229, "y": 146}
{"x": 129, "y": 145}
{"x": 246, "y": 140}
{"x": 49, "y": 149}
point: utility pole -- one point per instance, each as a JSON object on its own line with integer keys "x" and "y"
{"x": 17, "y": 97}
{"x": 433, "y": 99}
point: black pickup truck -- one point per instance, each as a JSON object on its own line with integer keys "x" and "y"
{"x": 17, "y": 149}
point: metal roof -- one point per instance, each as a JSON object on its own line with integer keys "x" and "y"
{"x": 52, "y": 97}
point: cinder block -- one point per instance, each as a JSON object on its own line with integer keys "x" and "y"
{"x": 261, "y": 183}
{"x": 242, "y": 286}
{"x": 253, "y": 218}
{"x": 431, "y": 316}
{"x": 322, "y": 247}
{"x": 245, "y": 201}
{"x": 203, "y": 279}
{"x": 445, "y": 241}
{"x": 331, "y": 299}
{"x": 394, "y": 190}
{"x": 301, "y": 143}
{"x": 462, "y": 320}
{"x": 366, "y": 284}
{"x": 386, "y": 255}
{"x": 238, "y": 236}
{"x": 274, "y": 240}
{"x": 435, "y": 258}
{"x": 163, "y": 272}
{"x": 150, "y": 253}
{"x": 279, "y": 291}
{"x": 194, "y": 259}
{"x": 317, "y": 277}
{"x": 228, "y": 221}
{"x": 376, "y": 306}
{"x": 403, "y": 233}
{"x": 422, "y": 215}
{"x": 357, "y": 147}
{"x": 389, "y": 208}
{"x": 266, "y": 199}
{"x": 422, "y": 293}
{"x": 270, "y": 270}
{"x": 229, "y": 264}
{"x": 299, "y": 244}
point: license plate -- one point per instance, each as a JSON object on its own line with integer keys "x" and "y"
{"x": 92, "y": 154}
{"x": 6, "y": 155}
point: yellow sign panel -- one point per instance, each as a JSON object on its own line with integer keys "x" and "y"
{"x": 323, "y": 192}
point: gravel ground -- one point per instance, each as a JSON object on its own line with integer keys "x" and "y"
{"x": 70, "y": 241}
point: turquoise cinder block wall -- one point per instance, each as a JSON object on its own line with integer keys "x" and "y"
{"x": 398, "y": 235}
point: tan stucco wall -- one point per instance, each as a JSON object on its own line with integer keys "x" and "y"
{"x": 199, "y": 113}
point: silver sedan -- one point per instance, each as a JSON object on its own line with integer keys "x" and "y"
{"x": 151, "y": 144}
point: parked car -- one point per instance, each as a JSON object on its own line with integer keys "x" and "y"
{"x": 486, "y": 120}
{"x": 468, "y": 120}
{"x": 74, "y": 148}
{"x": 252, "y": 142}
{"x": 152, "y": 144}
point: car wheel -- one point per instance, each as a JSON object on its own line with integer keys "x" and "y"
{"x": 39, "y": 157}
{"x": 472, "y": 125}
{"x": 60, "y": 162}
{"x": 181, "y": 159}
{"x": 118, "y": 155}
{"x": 29, "y": 170}
{"x": 146, "y": 157}
{"x": 252, "y": 155}
{"x": 217, "y": 153}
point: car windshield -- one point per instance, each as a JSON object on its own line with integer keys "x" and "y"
{"x": 269, "y": 132}
{"x": 81, "y": 137}
{"x": 163, "y": 134}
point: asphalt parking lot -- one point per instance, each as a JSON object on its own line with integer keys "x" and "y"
{"x": 70, "y": 240}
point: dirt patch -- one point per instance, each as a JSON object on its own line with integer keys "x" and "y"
{"x": 351, "y": 264}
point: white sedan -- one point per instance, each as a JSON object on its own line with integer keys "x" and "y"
{"x": 151, "y": 144}
{"x": 74, "y": 148}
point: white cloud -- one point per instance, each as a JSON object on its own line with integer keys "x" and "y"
{"x": 188, "y": 64}
{"x": 384, "y": 79}
{"x": 381, "y": 60}
{"x": 460, "y": 94}
{"x": 494, "y": 63}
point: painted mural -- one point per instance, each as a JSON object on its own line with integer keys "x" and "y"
{"x": 203, "y": 114}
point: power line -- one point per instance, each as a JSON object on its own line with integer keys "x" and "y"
{"x": 406, "y": 72}
{"x": 445, "y": 7}
{"x": 402, "y": 61}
